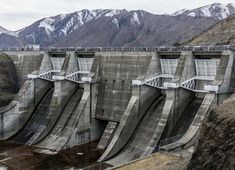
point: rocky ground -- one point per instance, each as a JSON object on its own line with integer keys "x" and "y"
{"x": 177, "y": 160}
{"x": 8, "y": 80}
{"x": 216, "y": 146}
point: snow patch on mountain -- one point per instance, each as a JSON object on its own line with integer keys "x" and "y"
{"x": 69, "y": 25}
{"x": 217, "y": 10}
{"x": 62, "y": 16}
{"x": 48, "y": 25}
{"x": 192, "y": 14}
{"x": 206, "y": 12}
{"x": 179, "y": 12}
{"x": 113, "y": 12}
{"x": 115, "y": 21}
{"x": 135, "y": 19}
{"x": 73, "y": 21}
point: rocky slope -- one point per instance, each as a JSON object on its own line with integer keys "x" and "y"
{"x": 217, "y": 10}
{"x": 7, "y": 40}
{"x": 216, "y": 146}
{"x": 221, "y": 33}
{"x": 8, "y": 80}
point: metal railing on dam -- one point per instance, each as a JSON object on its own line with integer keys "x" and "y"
{"x": 131, "y": 49}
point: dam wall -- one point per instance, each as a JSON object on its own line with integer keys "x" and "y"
{"x": 140, "y": 100}
{"x": 126, "y": 101}
{"x": 116, "y": 72}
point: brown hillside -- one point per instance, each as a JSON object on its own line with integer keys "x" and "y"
{"x": 221, "y": 33}
{"x": 216, "y": 145}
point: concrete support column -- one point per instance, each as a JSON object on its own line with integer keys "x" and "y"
{"x": 179, "y": 96}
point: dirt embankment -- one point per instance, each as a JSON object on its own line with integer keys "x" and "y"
{"x": 8, "y": 80}
{"x": 216, "y": 146}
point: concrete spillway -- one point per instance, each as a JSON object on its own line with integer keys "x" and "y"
{"x": 142, "y": 135}
{"x": 189, "y": 137}
{"x": 187, "y": 117}
{"x": 59, "y": 135}
{"x": 35, "y": 121}
{"x": 43, "y": 121}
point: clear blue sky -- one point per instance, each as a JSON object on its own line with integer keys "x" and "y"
{"x": 16, "y": 14}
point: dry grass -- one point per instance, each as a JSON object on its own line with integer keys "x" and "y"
{"x": 160, "y": 161}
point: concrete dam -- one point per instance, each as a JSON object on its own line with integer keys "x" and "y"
{"x": 130, "y": 102}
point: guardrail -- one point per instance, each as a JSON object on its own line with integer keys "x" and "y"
{"x": 130, "y": 49}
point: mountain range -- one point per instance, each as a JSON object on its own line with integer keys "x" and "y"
{"x": 109, "y": 27}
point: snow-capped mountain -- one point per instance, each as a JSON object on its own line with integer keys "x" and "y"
{"x": 66, "y": 23}
{"x": 109, "y": 27}
{"x": 136, "y": 29}
{"x": 49, "y": 30}
{"x": 217, "y": 10}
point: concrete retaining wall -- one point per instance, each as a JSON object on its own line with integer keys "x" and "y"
{"x": 225, "y": 72}
{"x": 26, "y": 63}
{"x": 15, "y": 115}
